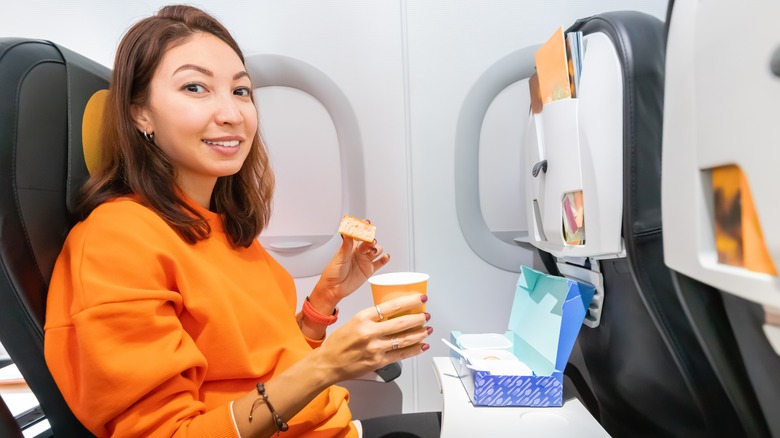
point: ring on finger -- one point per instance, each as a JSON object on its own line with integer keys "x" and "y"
{"x": 396, "y": 344}
{"x": 379, "y": 313}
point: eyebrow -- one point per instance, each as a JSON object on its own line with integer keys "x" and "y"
{"x": 208, "y": 72}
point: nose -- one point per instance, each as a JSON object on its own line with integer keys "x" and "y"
{"x": 228, "y": 111}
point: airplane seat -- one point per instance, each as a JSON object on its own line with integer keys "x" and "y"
{"x": 45, "y": 91}
{"x": 8, "y": 426}
{"x": 645, "y": 367}
{"x": 719, "y": 183}
{"x": 751, "y": 320}
{"x": 48, "y": 137}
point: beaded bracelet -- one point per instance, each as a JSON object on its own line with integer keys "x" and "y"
{"x": 281, "y": 426}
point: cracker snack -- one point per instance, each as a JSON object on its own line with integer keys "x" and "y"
{"x": 357, "y": 229}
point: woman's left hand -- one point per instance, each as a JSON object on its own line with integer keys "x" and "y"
{"x": 354, "y": 262}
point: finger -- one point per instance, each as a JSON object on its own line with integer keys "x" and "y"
{"x": 408, "y": 338}
{"x": 401, "y": 324}
{"x": 347, "y": 243}
{"x": 379, "y": 315}
{"x": 395, "y": 343}
{"x": 416, "y": 333}
{"x": 393, "y": 307}
{"x": 406, "y": 352}
{"x": 381, "y": 261}
{"x": 368, "y": 248}
{"x": 403, "y": 304}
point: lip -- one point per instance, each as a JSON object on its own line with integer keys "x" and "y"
{"x": 225, "y": 138}
{"x": 223, "y": 149}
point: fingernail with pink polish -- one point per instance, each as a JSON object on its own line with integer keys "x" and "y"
{"x": 430, "y": 330}
{"x": 427, "y": 316}
{"x": 425, "y": 347}
{"x": 424, "y": 298}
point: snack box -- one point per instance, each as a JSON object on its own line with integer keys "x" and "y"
{"x": 547, "y": 313}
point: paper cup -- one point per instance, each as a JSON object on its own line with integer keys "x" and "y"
{"x": 386, "y": 287}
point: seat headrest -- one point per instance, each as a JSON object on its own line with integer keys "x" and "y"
{"x": 90, "y": 128}
{"x": 87, "y": 90}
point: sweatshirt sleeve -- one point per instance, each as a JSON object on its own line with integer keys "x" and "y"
{"x": 314, "y": 343}
{"x": 114, "y": 341}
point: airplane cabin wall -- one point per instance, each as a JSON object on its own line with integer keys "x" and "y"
{"x": 405, "y": 68}
{"x": 450, "y": 45}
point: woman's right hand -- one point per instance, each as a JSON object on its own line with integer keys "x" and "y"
{"x": 365, "y": 343}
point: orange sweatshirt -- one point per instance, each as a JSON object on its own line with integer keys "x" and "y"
{"x": 149, "y": 336}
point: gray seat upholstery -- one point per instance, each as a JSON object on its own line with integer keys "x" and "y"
{"x": 44, "y": 91}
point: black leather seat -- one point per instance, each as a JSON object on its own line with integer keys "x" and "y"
{"x": 8, "y": 425}
{"x": 729, "y": 330}
{"x": 44, "y": 91}
{"x": 761, "y": 360}
{"x": 648, "y": 373}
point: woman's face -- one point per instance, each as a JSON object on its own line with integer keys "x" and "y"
{"x": 200, "y": 112}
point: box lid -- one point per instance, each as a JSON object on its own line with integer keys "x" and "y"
{"x": 547, "y": 313}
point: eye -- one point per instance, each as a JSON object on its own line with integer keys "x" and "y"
{"x": 242, "y": 91}
{"x": 194, "y": 88}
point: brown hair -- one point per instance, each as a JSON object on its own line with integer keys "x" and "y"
{"x": 131, "y": 165}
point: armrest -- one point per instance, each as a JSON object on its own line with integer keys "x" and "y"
{"x": 384, "y": 374}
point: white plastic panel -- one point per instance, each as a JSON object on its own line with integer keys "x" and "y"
{"x": 721, "y": 107}
{"x": 406, "y": 67}
{"x": 582, "y": 141}
{"x": 501, "y": 193}
{"x": 451, "y": 47}
{"x": 514, "y": 67}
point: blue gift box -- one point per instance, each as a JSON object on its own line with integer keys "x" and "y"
{"x": 546, "y": 317}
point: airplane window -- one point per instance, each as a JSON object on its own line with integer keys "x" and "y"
{"x": 501, "y": 191}
{"x": 304, "y": 150}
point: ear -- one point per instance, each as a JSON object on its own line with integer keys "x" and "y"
{"x": 141, "y": 118}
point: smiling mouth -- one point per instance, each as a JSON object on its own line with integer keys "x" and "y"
{"x": 228, "y": 144}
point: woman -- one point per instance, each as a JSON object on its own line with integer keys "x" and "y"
{"x": 165, "y": 316}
